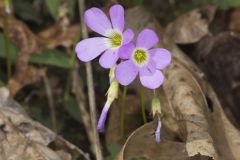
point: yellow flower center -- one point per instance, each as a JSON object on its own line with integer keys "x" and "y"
{"x": 140, "y": 56}
{"x": 116, "y": 39}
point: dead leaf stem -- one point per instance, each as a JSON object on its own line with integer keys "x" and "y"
{"x": 91, "y": 92}
{"x": 81, "y": 99}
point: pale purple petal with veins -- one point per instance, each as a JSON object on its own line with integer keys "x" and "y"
{"x": 158, "y": 132}
{"x": 117, "y": 17}
{"x": 126, "y": 72}
{"x": 103, "y": 117}
{"x": 161, "y": 57}
{"x": 97, "y": 21}
{"x": 125, "y": 51}
{"x": 147, "y": 39}
{"x": 153, "y": 81}
{"x": 109, "y": 58}
{"x": 128, "y": 35}
{"x": 149, "y": 69}
{"x": 90, "y": 48}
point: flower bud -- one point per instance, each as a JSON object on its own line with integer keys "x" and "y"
{"x": 112, "y": 92}
{"x": 156, "y": 106}
{"x": 158, "y": 132}
{"x": 111, "y": 74}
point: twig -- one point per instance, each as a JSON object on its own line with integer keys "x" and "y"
{"x": 77, "y": 89}
{"x": 50, "y": 102}
{"x": 91, "y": 94}
{"x": 80, "y": 96}
{"x": 75, "y": 78}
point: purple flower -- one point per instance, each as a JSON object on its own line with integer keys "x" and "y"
{"x": 144, "y": 60}
{"x": 158, "y": 132}
{"x": 113, "y": 36}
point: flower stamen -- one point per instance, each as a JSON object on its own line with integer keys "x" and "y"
{"x": 116, "y": 39}
{"x": 140, "y": 56}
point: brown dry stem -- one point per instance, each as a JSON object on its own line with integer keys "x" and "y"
{"x": 91, "y": 92}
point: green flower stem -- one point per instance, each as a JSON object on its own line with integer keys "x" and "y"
{"x": 123, "y": 109}
{"x": 144, "y": 117}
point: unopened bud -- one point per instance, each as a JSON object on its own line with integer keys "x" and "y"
{"x": 156, "y": 106}
{"x": 111, "y": 74}
{"x": 112, "y": 92}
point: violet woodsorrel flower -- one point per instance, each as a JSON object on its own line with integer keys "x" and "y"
{"x": 113, "y": 36}
{"x": 144, "y": 60}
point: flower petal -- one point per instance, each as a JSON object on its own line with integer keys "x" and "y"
{"x": 97, "y": 21}
{"x": 109, "y": 58}
{"x": 103, "y": 117}
{"x": 153, "y": 81}
{"x": 117, "y": 17}
{"x": 147, "y": 39}
{"x": 126, "y": 72}
{"x": 128, "y": 35}
{"x": 158, "y": 132}
{"x": 125, "y": 51}
{"x": 90, "y": 48}
{"x": 161, "y": 57}
{"x": 149, "y": 69}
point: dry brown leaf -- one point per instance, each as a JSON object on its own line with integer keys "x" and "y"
{"x": 191, "y": 27}
{"x": 55, "y": 36}
{"x": 27, "y": 43}
{"x": 219, "y": 129}
{"x": 222, "y": 70}
{"x": 143, "y": 137}
{"x": 22, "y": 138}
{"x": 28, "y": 76}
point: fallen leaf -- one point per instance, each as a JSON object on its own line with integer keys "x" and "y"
{"x": 141, "y": 143}
{"x": 22, "y": 138}
{"x": 29, "y": 76}
{"x": 181, "y": 32}
{"x": 222, "y": 70}
{"x": 26, "y": 43}
{"x": 55, "y": 36}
